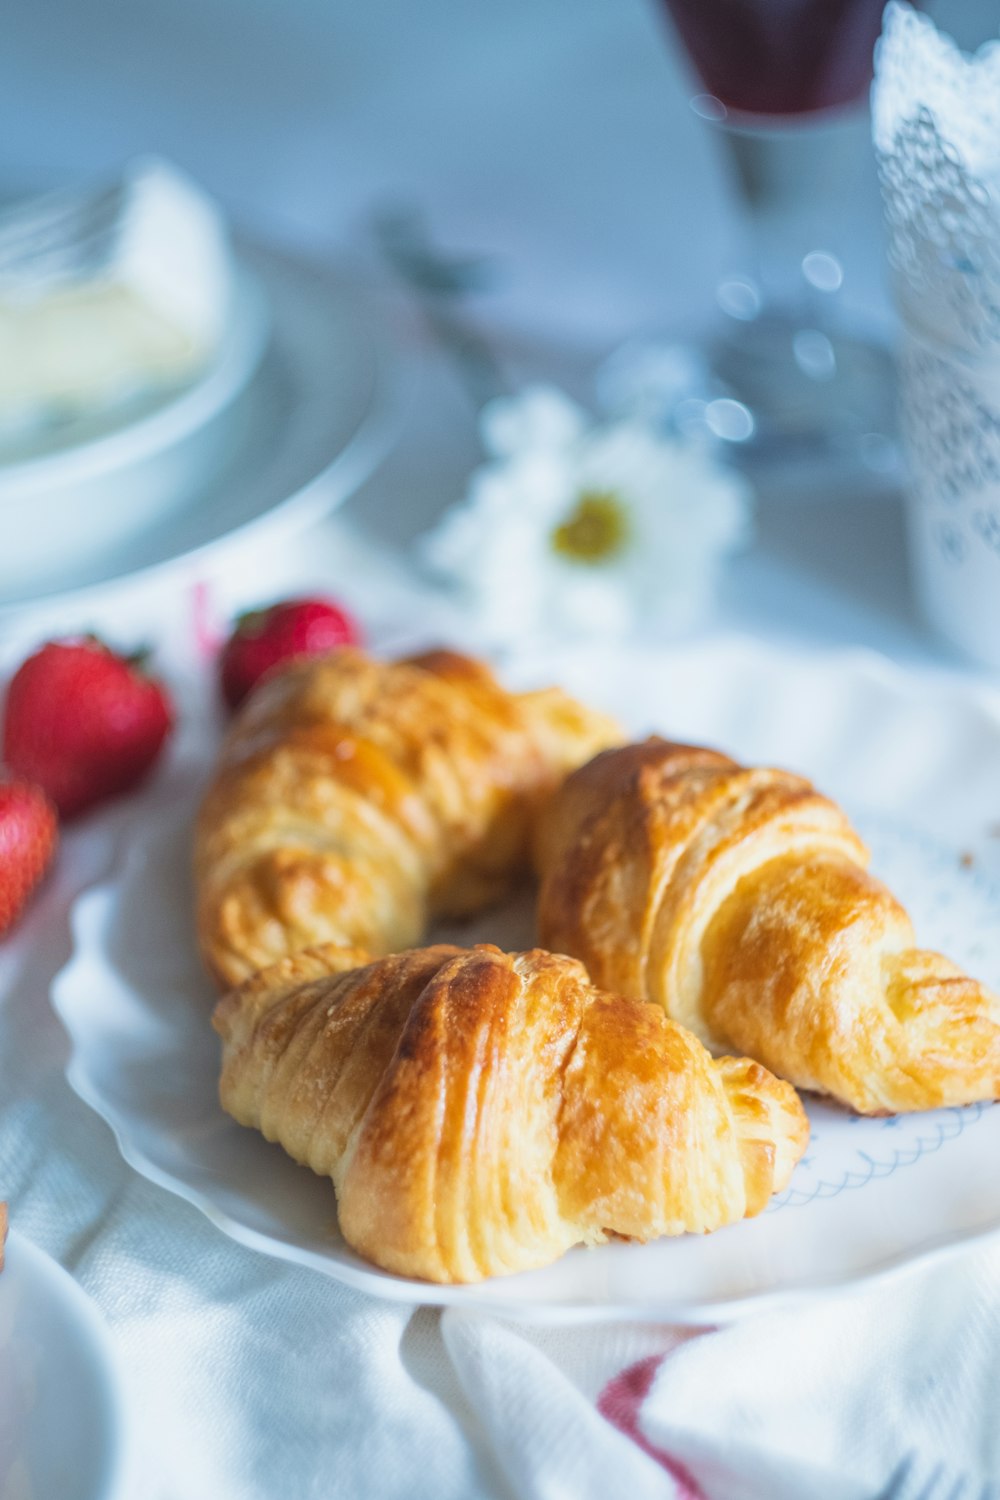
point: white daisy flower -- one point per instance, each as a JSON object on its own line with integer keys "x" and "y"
{"x": 575, "y": 529}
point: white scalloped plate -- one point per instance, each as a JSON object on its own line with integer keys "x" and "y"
{"x": 870, "y": 1196}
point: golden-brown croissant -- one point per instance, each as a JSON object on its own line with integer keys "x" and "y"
{"x": 355, "y": 799}
{"x": 480, "y": 1112}
{"x": 740, "y": 901}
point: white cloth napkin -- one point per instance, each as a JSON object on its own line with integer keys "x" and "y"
{"x": 249, "y": 1379}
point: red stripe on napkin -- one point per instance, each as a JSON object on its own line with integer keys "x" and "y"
{"x": 620, "y": 1403}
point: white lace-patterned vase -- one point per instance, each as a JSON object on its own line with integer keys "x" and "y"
{"x": 936, "y": 121}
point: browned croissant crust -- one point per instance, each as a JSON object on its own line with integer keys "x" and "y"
{"x": 740, "y": 901}
{"x": 480, "y": 1112}
{"x": 355, "y": 799}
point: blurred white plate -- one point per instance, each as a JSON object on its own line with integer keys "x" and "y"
{"x": 69, "y": 510}
{"x": 61, "y": 1424}
{"x": 314, "y": 423}
{"x": 870, "y": 1197}
{"x": 72, "y": 508}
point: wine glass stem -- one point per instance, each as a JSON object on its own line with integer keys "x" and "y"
{"x": 783, "y": 177}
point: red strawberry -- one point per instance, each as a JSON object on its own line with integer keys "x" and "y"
{"x": 83, "y": 722}
{"x": 29, "y": 834}
{"x": 297, "y": 627}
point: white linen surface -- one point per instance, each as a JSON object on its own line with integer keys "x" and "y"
{"x": 251, "y": 1379}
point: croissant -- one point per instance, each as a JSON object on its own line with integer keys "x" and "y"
{"x": 354, "y": 800}
{"x": 480, "y": 1112}
{"x": 740, "y": 900}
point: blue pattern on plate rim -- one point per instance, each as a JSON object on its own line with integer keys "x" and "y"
{"x": 956, "y": 911}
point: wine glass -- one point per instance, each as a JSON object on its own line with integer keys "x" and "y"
{"x": 780, "y": 78}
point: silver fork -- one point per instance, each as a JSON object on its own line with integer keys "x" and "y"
{"x": 440, "y": 282}
{"x": 60, "y": 235}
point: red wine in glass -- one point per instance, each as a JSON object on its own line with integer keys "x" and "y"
{"x": 780, "y": 57}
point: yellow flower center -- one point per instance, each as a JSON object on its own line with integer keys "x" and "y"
{"x": 594, "y": 531}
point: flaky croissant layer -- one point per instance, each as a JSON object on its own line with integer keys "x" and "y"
{"x": 356, "y": 799}
{"x": 739, "y": 899}
{"x": 480, "y": 1112}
